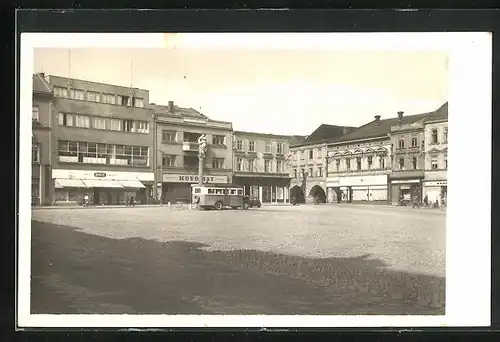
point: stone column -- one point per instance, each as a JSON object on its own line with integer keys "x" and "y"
{"x": 260, "y": 194}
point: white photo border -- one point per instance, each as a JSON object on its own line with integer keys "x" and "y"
{"x": 468, "y": 244}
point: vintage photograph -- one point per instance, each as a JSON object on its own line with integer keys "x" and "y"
{"x": 230, "y": 181}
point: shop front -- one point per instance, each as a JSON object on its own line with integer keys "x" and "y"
{"x": 102, "y": 187}
{"x": 176, "y": 188}
{"x": 333, "y": 190}
{"x": 360, "y": 189}
{"x": 436, "y": 191}
{"x": 267, "y": 188}
{"x": 406, "y": 187}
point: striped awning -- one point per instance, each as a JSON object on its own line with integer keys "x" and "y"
{"x": 132, "y": 184}
{"x": 98, "y": 183}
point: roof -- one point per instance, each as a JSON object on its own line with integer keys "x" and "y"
{"x": 40, "y": 85}
{"x": 178, "y": 111}
{"x": 263, "y": 135}
{"x": 381, "y": 128}
{"x": 324, "y": 133}
{"x": 441, "y": 114}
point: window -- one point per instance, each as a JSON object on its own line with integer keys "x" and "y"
{"x": 61, "y": 92}
{"x": 268, "y": 147}
{"x": 446, "y": 161}
{"x": 239, "y": 145}
{"x": 434, "y": 136}
{"x": 35, "y": 113}
{"x": 251, "y": 146}
{"x": 301, "y": 174}
{"x": 123, "y": 100}
{"x": 108, "y": 98}
{"x": 348, "y": 164}
{"x": 251, "y": 165}
{"x": 320, "y": 153}
{"x": 82, "y": 121}
{"x": 319, "y": 172}
{"x": 64, "y": 119}
{"x": 310, "y": 172}
{"x": 381, "y": 162}
{"x": 115, "y": 125}
{"x": 311, "y": 154}
{"x": 168, "y": 160}
{"x": 98, "y": 123}
{"x": 142, "y": 126}
{"x": 434, "y": 162}
{"x": 168, "y": 136}
{"x": 138, "y": 102}
{"x": 358, "y": 163}
{"x": 302, "y": 155}
{"x": 401, "y": 163}
{"x": 35, "y": 154}
{"x": 219, "y": 140}
{"x": 445, "y": 135}
{"x": 217, "y": 163}
{"x": 370, "y": 162}
{"x": 240, "y": 164}
{"x": 93, "y": 96}
{"x": 414, "y": 142}
{"x": 279, "y": 166}
{"x": 401, "y": 143}
{"x": 267, "y": 165}
{"x": 279, "y": 148}
{"x": 414, "y": 163}
{"x": 76, "y": 94}
{"x": 337, "y": 164}
{"x": 128, "y": 126}
{"x": 294, "y": 173}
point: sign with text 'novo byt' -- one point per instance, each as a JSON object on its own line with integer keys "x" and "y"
{"x": 193, "y": 179}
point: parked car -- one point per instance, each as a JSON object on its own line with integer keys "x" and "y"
{"x": 253, "y": 202}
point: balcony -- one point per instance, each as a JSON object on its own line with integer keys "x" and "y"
{"x": 188, "y": 146}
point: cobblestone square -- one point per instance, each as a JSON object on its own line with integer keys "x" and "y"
{"x": 326, "y": 259}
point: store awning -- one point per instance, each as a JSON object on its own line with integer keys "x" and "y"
{"x": 97, "y": 183}
{"x": 133, "y": 184}
{"x": 69, "y": 183}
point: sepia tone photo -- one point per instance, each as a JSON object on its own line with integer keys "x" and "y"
{"x": 225, "y": 182}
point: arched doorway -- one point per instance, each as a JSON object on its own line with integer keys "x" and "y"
{"x": 318, "y": 192}
{"x": 297, "y": 193}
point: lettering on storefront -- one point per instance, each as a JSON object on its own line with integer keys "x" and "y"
{"x": 99, "y": 174}
{"x": 193, "y": 179}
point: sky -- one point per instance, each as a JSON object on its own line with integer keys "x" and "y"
{"x": 280, "y": 91}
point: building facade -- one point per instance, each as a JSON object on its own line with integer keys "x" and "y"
{"x": 41, "y": 171}
{"x": 407, "y": 144}
{"x": 101, "y": 142}
{"x": 175, "y": 142}
{"x": 309, "y": 166}
{"x": 261, "y": 167}
{"x": 435, "y": 184}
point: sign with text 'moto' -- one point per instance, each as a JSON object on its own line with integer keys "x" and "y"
{"x": 193, "y": 179}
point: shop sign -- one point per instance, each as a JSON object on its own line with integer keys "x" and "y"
{"x": 97, "y": 174}
{"x": 445, "y": 183}
{"x": 363, "y": 180}
{"x": 168, "y": 178}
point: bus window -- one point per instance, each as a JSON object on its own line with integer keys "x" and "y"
{"x": 240, "y": 192}
{"x": 233, "y": 192}
{"x": 197, "y": 190}
{"x": 219, "y": 191}
{"x": 211, "y": 191}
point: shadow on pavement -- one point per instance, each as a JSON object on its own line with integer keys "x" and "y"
{"x": 75, "y": 272}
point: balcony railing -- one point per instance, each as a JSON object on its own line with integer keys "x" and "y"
{"x": 188, "y": 146}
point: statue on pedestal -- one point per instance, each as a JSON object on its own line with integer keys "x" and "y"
{"x": 202, "y": 153}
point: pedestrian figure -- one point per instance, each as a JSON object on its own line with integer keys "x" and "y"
{"x": 416, "y": 202}
{"x": 85, "y": 200}
{"x": 339, "y": 197}
{"x": 426, "y": 200}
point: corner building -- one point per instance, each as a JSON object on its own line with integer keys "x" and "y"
{"x": 101, "y": 142}
{"x": 175, "y": 142}
{"x": 260, "y": 165}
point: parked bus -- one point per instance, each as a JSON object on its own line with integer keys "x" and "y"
{"x": 208, "y": 196}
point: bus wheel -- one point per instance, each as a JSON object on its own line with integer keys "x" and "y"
{"x": 218, "y": 205}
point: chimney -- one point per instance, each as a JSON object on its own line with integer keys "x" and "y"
{"x": 400, "y": 115}
{"x": 345, "y": 130}
{"x": 171, "y": 106}
{"x": 377, "y": 117}
{"x": 42, "y": 75}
